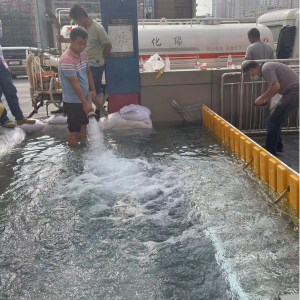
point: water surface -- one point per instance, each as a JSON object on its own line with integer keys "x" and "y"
{"x": 164, "y": 215}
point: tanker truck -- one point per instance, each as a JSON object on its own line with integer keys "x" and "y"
{"x": 284, "y": 25}
{"x": 212, "y": 42}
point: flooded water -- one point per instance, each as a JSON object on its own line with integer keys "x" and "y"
{"x": 145, "y": 216}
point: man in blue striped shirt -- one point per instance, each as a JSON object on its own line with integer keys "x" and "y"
{"x": 77, "y": 80}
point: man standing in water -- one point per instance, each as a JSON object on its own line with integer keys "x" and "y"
{"x": 258, "y": 50}
{"x": 77, "y": 79}
{"x": 280, "y": 79}
{"x": 97, "y": 49}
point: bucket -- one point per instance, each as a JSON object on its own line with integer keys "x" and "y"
{"x": 190, "y": 113}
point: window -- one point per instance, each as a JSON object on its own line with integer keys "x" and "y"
{"x": 14, "y": 54}
{"x": 275, "y": 30}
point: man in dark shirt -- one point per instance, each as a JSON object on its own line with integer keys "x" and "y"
{"x": 280, "y": 79}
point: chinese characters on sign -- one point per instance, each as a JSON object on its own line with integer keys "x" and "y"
{"x": 156, "y": 42}
{"x": 228, "y": 48}
{"x": 120, "y": 33}
{"x": 178, "y": 40}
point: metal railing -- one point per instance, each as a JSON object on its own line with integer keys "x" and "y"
{"x": 242, "y": 113}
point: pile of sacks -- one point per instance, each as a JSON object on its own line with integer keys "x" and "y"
{"x": 129, "y": 117}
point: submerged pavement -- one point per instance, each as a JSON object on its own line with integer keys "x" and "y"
{"x": 290, "y": 156}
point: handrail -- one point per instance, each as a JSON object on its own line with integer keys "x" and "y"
{"x": 222, "y": 89}
{"x": 230, "y": 22}
{"x": 58, "y": 8}
{"x": 59, "y": 14}
{"x": 232, "y": 56}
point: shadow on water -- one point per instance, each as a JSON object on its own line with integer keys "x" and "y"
{"x": 154, "y": 215}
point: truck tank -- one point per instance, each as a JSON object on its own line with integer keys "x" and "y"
{"x": 183, "y": 43}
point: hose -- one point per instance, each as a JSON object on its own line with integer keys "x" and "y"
{"x": 51, "y": 93}
{"x": 30, "y": 75}
{"x": 30, "y": 59}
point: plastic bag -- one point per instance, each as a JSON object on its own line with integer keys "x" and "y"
{"x": 275, "y": 100}
{"x": 136, "y": 113}
{"x": 154, "y": 63}
{"x": 116, "y": 122}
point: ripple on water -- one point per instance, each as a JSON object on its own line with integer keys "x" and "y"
{"x": 139, "y": 221}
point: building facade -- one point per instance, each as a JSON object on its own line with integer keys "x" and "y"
{"x": 18, "y": 23}
{"x": 249, "y": 8}
{"x": 175, "y": 9}
{"x": 91, "y": 6}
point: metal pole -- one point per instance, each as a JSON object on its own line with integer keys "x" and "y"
{"x": 222, "y": 89}
{"x": 247, "y": 127}
{"x": 282, "y": 195}
{"x": 241, "y": 100}
{"x": 222, "y": 95}
{"x": 251, "y": 107}
{"x": 248, "y": 164}
{"x": 231, "y": 104}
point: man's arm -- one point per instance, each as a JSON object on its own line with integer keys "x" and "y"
{"x": 78, "y": 91}
{"x": 104, "y": 39}
{"x": 91, "y": 82}
{"x": 107, "y": 50}
{"x": 271, "y": 92}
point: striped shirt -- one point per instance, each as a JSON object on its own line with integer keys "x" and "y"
{"x": 70, "y": 64}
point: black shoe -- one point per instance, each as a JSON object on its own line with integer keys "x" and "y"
{"x": 268, "y": 150}
{"x": 59, "y": 111}
{"x": 277, "y": 150}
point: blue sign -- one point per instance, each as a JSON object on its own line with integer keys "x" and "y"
{"x": 119, "y": 18}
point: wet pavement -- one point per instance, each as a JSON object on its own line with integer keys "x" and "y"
{"x": 23, "y": 87}
{"x": 290, "y": 154}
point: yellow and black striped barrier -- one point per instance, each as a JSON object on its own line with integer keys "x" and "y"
{"x": 280, "y": 177}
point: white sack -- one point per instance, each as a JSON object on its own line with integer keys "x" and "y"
{"x": 116, "y": 122}
{"x": 136, "y": 113}
{"x": 38, "y": 126}
{"x": 57, "y": 119}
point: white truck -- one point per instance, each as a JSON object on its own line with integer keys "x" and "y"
{"x": 284, "y": 25}
{"x": 212, "y": 42}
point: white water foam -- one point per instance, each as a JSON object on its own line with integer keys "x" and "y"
{"x": 107, "y": 174}
{"x": 9, "y": 138}
{"x": 247, "y": 234}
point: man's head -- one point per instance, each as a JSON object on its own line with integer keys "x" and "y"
{"x": 78, "y": 39}
{"x": 253, "y": 35}
{"x": 253, "y": 69}
{"x": 79, "y": 15}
